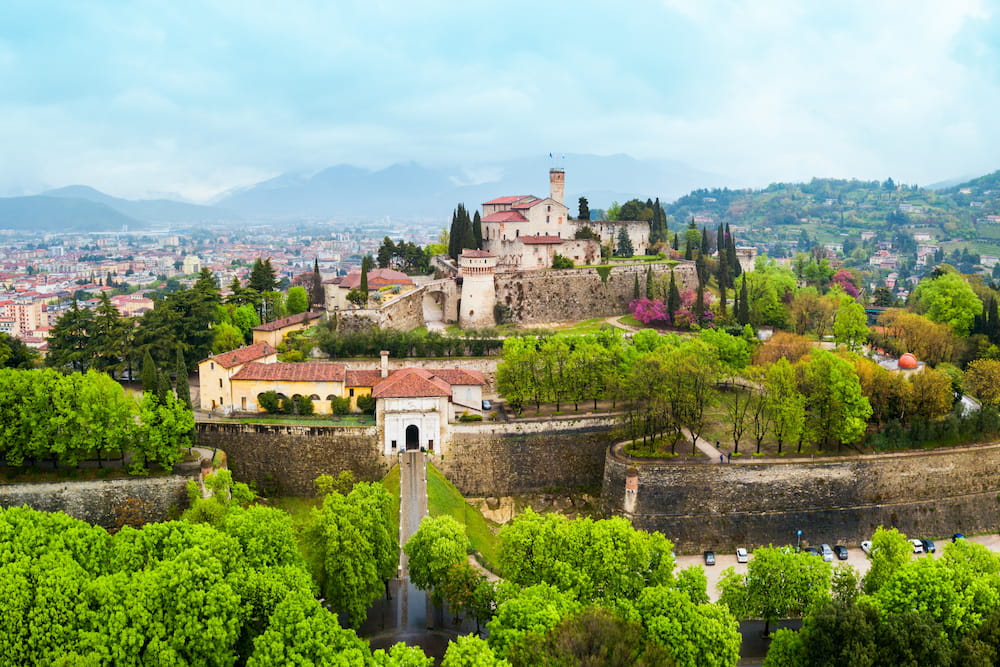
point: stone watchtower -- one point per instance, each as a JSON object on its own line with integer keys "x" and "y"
{"x": 479, "y": 294}
{"x": 557, "y": 184}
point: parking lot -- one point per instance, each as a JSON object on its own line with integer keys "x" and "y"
{"x": 856, "y": 558}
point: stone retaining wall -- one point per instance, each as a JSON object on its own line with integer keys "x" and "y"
{"x": 712, "y": 506}
{"x": 286, "y": 459}
{"x": 106, "y": 502}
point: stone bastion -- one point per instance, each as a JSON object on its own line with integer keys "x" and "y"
{"x": 756, "y": 502}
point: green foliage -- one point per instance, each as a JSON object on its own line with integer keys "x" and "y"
{"x": 594, "y": 560}
{"x": 531, "y": 610}
{"x": 438, "y": 545}
{"x": 15, "y": 354}
{"x": 560, "y": 262}
{"x": 694, "y": 635}
{"x": 779, "y": 582}
{"x": 358, "y": 297}
{"x": 604, "y": 272}
{"x": 304, "y": 405}
{"x": 340, "y": 405}
{"x": 950, "y": 300}
{"x": 850, "y": 326}
{"x": 471, "y": 651}
{"x": 297, "y": 301}
{"x": 226, "y": 337}
{"x": 366, "y": 404}
{"x": 838, "y": 409}
{"x": 624, "y": 246}
{"x": 269, "y": 401}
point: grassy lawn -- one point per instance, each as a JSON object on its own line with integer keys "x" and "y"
{"x": 583, "y": 327}
{"x": 444, "y": 498}
{"x": 300, "y": 510}
{"x": 391, "y": 484}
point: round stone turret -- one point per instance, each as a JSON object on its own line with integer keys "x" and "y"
{"x": 479, "y": 296}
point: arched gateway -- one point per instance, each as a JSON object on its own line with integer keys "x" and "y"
{"x": 412, "y": 437}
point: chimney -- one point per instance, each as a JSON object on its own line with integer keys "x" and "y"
{"x": 557, "y": 184}
{"x": 385, "y": 363}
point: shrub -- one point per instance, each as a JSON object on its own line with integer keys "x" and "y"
{"x": 304, "y": 405}
{"x": 470, "y": 418}
{"x": 269, "y": 401}
{"x": 560, "y": 262}
{"x": 366, "y": 404}
{"x": 286, "y": 406}
{"x": 340, "y": 405}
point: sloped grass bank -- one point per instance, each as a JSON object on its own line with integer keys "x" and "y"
{"x": 444, "y": 498}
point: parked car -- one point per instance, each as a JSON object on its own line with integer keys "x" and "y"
{"x": 742, "y": 556}
{"x": 812, "y": 551}
{"x": 866, "y": 546}
{"x": 826, "y": 552}
{"x": 957, "y": 536}
{"x": 841, "y": 551}
{"x": 918, "y": 546}
{"x": 709, "y": 558}
{"x": 928, "y": 546}
{"x": 487, "y": 405}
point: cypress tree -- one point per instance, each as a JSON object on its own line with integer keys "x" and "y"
{"x": 688, "y": 252}
{"x": 673, "y": 298}
{"x": 454, "y": 235}
{"x": 162, "y": 385}
{"x": 722, "y": 298}
{"x": 677, "y": 241}
{"x": 699, "y": 303}
{"x": 705, "y": 247}
{"x": 720, "y": 239}
{"x": 743, "y": 315}
{"x": 477, "y": 231}
{"x": 584, "y": 209}
{"x": 635, "y": 286}
{"x": 366, "y": 263}
{"x": 649, "y": 282}
{"x": 148, "y": 375}
{"x": 468, "y": 238}
{"x": 316, "y": 294}
{"x": 183, "y": 389}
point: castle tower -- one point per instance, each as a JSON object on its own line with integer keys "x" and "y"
{"x": 557, "y": 184}
{"x": 479, "y": 294}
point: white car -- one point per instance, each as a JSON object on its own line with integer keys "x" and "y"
{"x": 866, "y": 546}
{"x": 918, "y": 546}
{"x": 742, "y": 556}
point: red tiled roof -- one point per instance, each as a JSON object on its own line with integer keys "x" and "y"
{"x": 477, "y": 253}
{"x": 309, "y": 371}
{"x": 505, "y": 216}
{"x": 376, "y": 278}
{"x": 287, "y": 321}
{"x": 527, "y": 204}
{"x": 411, "y": 383}
{"x": 541, "y": 239}
{"x": 362, "y": 378}
{"x": 510, "y": 199}
{"x": 243, "y": 355}
{"x": 459, "y": 376}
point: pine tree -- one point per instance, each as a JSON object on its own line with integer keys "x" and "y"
{"x": 316, "y": 293}
{"x": 584, "y": 211}
{"x": 673, "y": 298}
{"x": 183, "y": 388}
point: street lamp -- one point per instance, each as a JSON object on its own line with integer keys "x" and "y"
{"x": 798, "y": 538}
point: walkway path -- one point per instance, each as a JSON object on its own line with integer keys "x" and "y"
{"x": 413, "y": 605}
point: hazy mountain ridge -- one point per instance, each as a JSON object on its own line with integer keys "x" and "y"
{"x": 57, "y": 214}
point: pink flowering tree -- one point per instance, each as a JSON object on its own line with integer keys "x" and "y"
{"x": 845, "y": 279}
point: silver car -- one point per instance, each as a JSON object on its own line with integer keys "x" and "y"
{"x": 826, "y": 552}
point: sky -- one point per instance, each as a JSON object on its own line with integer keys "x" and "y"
{"x": 193, "y": 98}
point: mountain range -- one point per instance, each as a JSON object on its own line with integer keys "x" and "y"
{"x": 345, "y": 193}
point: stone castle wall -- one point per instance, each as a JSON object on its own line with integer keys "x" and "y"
{"x": 106, "y": 502}
{"x": 286, "y": 459}
{"x": 712, "y": 506}
{"x": 504, "y": 459}
{"x": 577, "y": 294}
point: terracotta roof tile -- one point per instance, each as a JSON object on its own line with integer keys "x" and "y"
{"x": 243, "y": 355}
{"x": 505, "y": 216}
{"x": 477, "y": 253}
{"x": 287, "y": 321}
{"x": 309, "y": 371}
{"x": 362, "y": 378}
{"x": 459, "y": 376}
{"x": 411, "y": 383}
{"x": 510, "y": 199}
{"x": 541, "y": 239}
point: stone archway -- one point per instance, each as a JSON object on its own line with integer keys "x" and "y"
{"x": 412, "y": 437}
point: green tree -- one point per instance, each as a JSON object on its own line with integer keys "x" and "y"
{"x": 982, "y": 380}
{"x": 779, "y": 582}
{"x": 785, "y": 404}
{"x": 838, "y": 409}
{"x": 150, "y": 374}
{"x": 471, "y": 651}
{"x": 889, "y": 552}
{"x": 302, "y": 632}
{"x": 70, "y": 343}
{"x": 694, "y": 635}
{"x": 438, "y": 545}
{"x": 948, "y": 299}
{"x": 850, "y": 326}
{"x": 297, "y": 301}
{"x": 366, "y": 266}
{"x": 624, "y": 247}
{"x": 226, "y": 337}
{"x": 262, "y": 276}
{"x": 15, "y": 354}
{"x": 534, "y": 609}
{"x": 560, "y": 262}
{"x": 477, "y": 231}
{"x": 182, "y": 386}
{"x": 317, "y": 295}
{"x": 583, "y": 210}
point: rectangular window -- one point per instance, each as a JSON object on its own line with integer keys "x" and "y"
{"x": 394, "y": 444}
{"x": 430, "y": 444}
{"x": 546, "y": 218}
{"x": 351, "y": 392}
{"x": 220, "y": 383}
{"x": 211, "y": 366}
